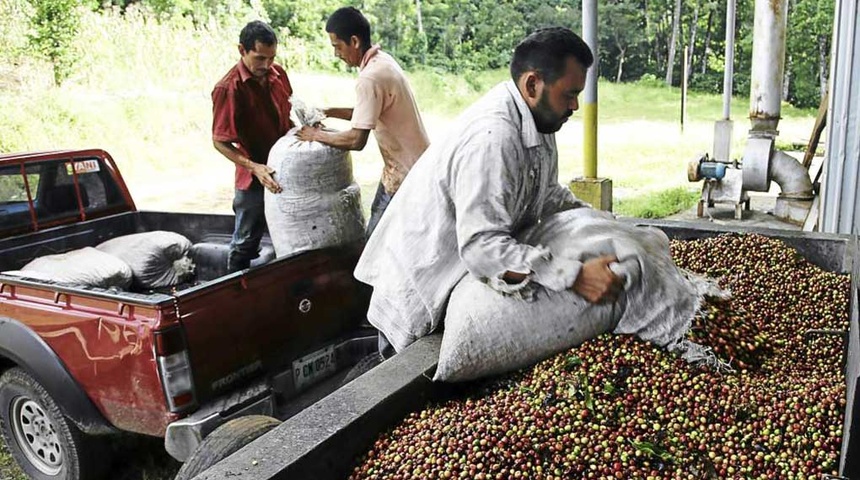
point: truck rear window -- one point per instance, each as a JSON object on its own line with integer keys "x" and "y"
{"x": 14, "y": 204}
{"x": 54, "y": 193}
{"x": 12, "y": 188}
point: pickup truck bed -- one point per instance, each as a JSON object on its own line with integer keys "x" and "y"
{"x": 209, "y": 233}
{"x": 236, "y": 326}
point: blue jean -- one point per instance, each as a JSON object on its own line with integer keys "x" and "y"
{"x": 249, "y": 229}
{"x": 377, "y": 208}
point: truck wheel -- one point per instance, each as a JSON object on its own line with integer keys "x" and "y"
{"x": 224, "y": 441}
{"x": 42, "y": 440}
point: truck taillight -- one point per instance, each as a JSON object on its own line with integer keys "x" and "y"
{"x": 174, "y": 368}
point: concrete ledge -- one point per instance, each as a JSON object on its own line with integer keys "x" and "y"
{"x": 324, "y": 440}
{"x": 596, "y": 191}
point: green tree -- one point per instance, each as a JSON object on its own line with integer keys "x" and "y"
{"x": 621, "y": 35}
{"x": 55, "y": 24}
{"x": 673, "y": 41}
{"x": 464, "y": 35}
{"x": 14, "y": 17}
{"x": 395, "y": 25}
{"x": 810, "y": 26}
{"x": 305, "y": 19}
{"x": 635, "y": 36}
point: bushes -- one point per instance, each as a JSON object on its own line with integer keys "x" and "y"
{"x": 55, "y": 24}
{"x": 657, "y": 205}
{"x": 651, "y": 80}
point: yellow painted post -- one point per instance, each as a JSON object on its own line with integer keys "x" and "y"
{"x": 589, "y": 138}
{"x": 588, "y": 187}
{"x": 589, "y": 96}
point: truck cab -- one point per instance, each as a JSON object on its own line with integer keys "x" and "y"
{"x": 38, "y": 191}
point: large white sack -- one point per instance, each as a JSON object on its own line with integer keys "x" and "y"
{"x": 319, "y": 204}
{"x": 662, "y": 299}
{"x": 85, "y": 267}
{"x": 487, "y": 333}
{"x": 157, "y": 259}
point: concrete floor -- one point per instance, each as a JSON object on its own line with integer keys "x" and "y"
{"x": 759, "y": 214}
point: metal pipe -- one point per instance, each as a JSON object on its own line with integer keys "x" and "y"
{"x": 724, "y": 128}
{"x": 730, "y": 59}
{"x": 589, "y": 97}
{"x": 768, "y": 64}
{"x": 792, "y": 178}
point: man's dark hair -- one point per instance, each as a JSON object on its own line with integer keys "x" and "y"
{"x": 546, "y": 51}
{"x": 348, "y": 21}
{"x": 257, "y": 31}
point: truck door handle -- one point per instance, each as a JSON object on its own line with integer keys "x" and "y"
{"x": 61, "y": 295}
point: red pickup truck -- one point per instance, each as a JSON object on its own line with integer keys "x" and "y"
{"x": 78, "y": 364}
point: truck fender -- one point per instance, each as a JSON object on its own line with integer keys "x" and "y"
{"x": 27, "y": 350}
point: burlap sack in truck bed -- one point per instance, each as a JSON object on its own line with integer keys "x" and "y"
{"x": 84, "y": 267}
{"x": 157, "y": 259}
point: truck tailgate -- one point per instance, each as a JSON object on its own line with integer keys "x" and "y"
{"x": 262, "y": 321}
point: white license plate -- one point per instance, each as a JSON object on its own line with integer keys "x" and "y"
{"x": 314, "y": 367}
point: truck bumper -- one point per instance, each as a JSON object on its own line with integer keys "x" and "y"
{"x": 183, "y": 436}
{"x": 277, "y": 397}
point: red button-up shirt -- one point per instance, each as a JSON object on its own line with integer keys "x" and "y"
{"x": 251, "y": 116}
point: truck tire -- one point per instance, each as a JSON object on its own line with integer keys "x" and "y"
{"x": 224, "y": 441}
{"x": 46, "y": 445}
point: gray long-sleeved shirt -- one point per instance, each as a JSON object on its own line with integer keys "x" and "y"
{"x": 458, "y": 212}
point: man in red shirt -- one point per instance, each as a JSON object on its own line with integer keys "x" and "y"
{"x": 251, "y": 110}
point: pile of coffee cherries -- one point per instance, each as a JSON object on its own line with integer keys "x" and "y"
{"x": 619, "y": 407}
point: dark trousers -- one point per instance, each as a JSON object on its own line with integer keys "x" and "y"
{"x": 249, "y": 229}
{"x": 386, "y": 350}
{"x": 377, "y": 208}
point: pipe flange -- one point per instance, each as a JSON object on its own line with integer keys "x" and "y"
{"x": 797, "y": 196}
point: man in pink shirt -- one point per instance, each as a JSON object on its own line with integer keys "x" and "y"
{"x": 384, "y": 103}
